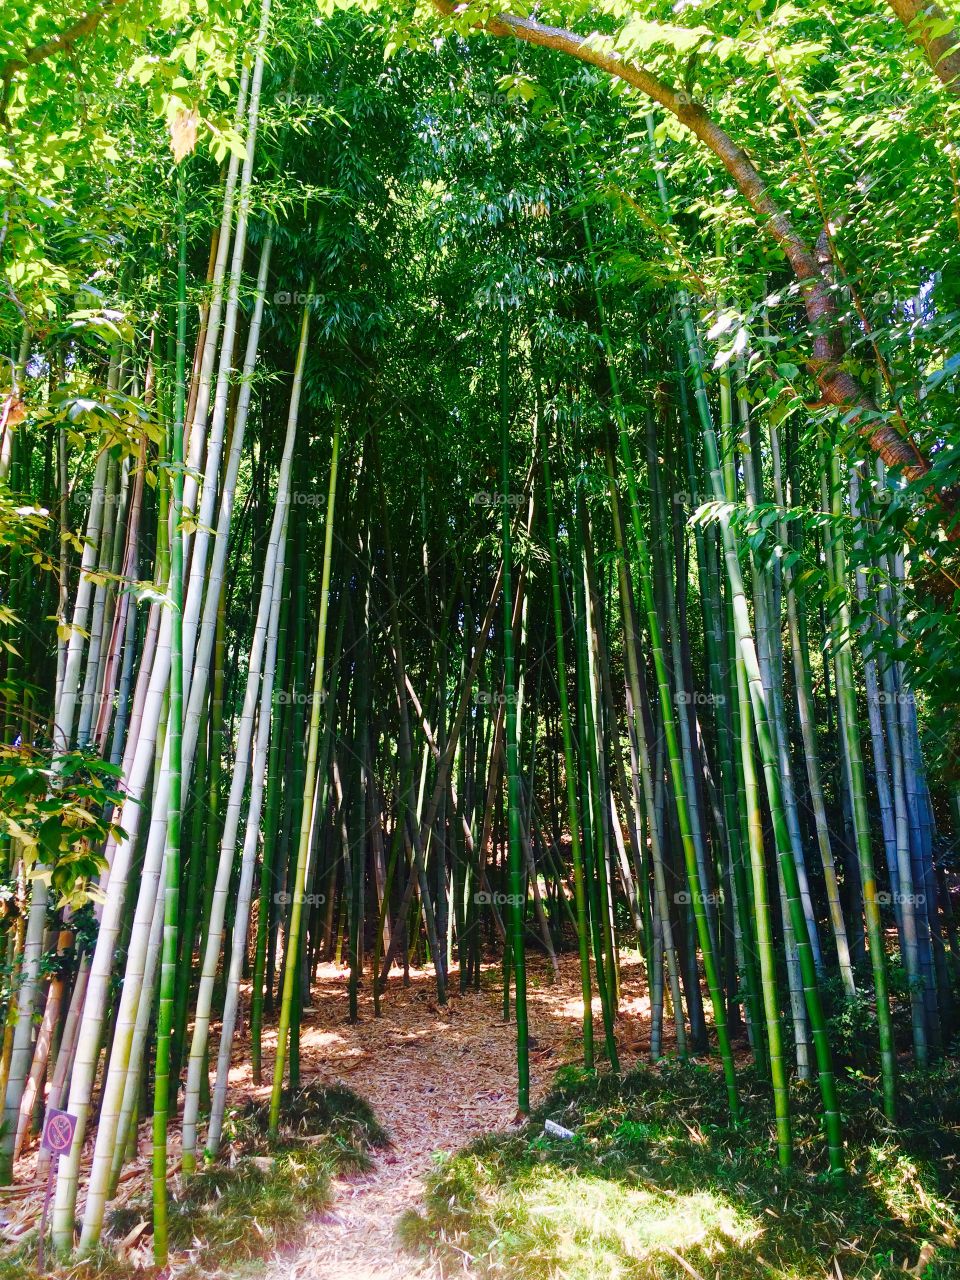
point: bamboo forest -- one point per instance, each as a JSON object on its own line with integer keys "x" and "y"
{"x": 480, "y": 639}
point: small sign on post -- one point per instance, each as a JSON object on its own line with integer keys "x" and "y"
{"x": 57, "y": 1138}
{"x": 58, "y": 1130}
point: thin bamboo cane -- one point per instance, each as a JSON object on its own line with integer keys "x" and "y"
{"x": 168, "y": 972}
{"x": 573, "y": 816}
{"x": 517, "y": 888}
{"x": 306, "y": 821}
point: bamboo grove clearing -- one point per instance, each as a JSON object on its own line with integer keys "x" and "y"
{"x": 477, "y": 489}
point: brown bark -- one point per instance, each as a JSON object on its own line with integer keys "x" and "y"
{"x": 942, "y": 51}
{"x": 837, "y": 386}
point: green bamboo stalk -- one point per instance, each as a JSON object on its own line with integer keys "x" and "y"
{"x": 768, "y": 637}
{"x": 803, "y": 685}
{"x": 307, "y": 812}
{"x": 770, "y": 760}
{"x": 598, "y": 786}
{"x": 517, "y": 886}
{"x": 850, "y": 728}
{"x": 768, "y": 751}
{"x": 592, "y": 839}
{"x": 573, "y": 816}
{"x": 171, "y": 913}
{"x": 299, "y": 764}
{"x": 715, "y": 633}
{"x": 754, "y": 833}
{"x": 191, "y": 914}
{"x": 637, "y": 700}
{"x": 677, "y": 774}
{"x": 266, "y": 901}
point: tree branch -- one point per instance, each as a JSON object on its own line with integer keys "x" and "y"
{"x": 40, "y": 52}
{"x": 837, "y": 386}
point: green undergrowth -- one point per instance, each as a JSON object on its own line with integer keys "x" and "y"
{"x": 333, "y": 1120}
{"x": 236, "y": 1211}
{"x": 657, "y": 1185}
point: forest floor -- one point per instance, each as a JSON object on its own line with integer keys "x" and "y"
{"x": 656, "y": 1182}
{"x": 437, "y": 1078}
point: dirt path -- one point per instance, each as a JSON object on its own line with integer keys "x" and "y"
{"x": 437, "y": 1078}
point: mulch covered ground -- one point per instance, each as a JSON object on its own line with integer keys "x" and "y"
{"x": 437, "y": 1078}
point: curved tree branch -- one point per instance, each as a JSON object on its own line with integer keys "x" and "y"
{"x": 837, "y": 386}
{"x": 83, "y": 26}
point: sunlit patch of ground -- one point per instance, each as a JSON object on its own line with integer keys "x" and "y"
{"x": 614, "y": 1224}
{"x": 654, "y": 1182}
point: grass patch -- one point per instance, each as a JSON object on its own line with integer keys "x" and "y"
{"x": 657, "y": 1185}
{"x": 226, "y": 1216}
{"x": 233, "y": 1212}
{"x": 333, "y": 1118}
{"x": 102, "y": 1264}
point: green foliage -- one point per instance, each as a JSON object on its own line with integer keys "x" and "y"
{"x": 338, "y": 1123}
{"x": 101, "y": 1264}
{"x": 53, "y": 805}
{"x": 422, "y": 195}
{"x": 254, "y": 1206}
{"x": 656, "y": 1182}
{"x": 78, "y": 127}
{"x": 228, "y": 1215}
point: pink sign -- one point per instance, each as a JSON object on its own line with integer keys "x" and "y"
{"x": 58, "y": 1130}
